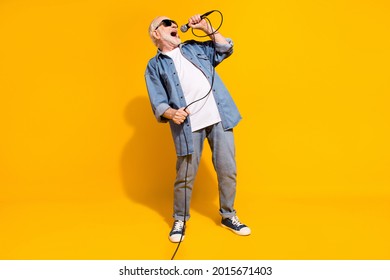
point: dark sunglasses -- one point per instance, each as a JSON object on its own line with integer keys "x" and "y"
{"x": 166, "y": 22}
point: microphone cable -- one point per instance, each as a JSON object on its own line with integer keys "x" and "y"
{"x": 185, "y": 108}
{"x": 214, "y": 55}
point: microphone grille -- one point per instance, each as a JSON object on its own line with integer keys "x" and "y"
{"x": 184, "y": 28}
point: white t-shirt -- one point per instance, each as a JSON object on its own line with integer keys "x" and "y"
{"x": 195, "y": 86}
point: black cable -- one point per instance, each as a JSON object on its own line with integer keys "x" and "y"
{"x": 214, "y": 54}
{"x": 185, "y": 138}
{"x": 215, "y": 31}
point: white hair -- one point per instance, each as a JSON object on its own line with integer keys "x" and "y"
{"x": 152, "y": 28}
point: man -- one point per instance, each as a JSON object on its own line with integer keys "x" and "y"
{"x": 181, "y": 76}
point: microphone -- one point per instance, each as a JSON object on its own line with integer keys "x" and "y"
{"x": 185, "y": 27}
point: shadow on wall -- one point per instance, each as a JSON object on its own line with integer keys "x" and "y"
{"x": 148, "y": 166}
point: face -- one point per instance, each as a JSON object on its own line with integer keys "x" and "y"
{"x": 167, "y": 33}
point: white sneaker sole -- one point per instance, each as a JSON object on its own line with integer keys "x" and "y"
{"x": 176, "y": 238}
{"x": 243, "y": 232}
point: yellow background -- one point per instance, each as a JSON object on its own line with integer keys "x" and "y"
{"x": 86, "y": 172}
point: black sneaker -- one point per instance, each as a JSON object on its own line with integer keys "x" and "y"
{"x": 236, "y": 226}
{"x": 177, "y": 231}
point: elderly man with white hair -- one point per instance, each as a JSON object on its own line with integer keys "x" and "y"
{"x": 185, "y": 91}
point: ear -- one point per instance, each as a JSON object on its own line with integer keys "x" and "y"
{"x": 156, "y": 35}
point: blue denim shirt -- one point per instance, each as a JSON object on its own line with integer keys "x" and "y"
{"x": 165, "y": 91}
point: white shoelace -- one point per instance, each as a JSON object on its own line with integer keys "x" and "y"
{"x": 235, "y": 221}
{"x": 178, "y": 226}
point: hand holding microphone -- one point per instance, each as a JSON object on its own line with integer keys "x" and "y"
{"x": 197, "y": 22}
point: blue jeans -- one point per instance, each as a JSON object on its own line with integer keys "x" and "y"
{"x": 223, "y": 156}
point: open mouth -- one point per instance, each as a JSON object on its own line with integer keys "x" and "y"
{"x": 174, "y": 33}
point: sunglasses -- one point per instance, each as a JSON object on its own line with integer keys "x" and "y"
{"x": 166, "y": 22}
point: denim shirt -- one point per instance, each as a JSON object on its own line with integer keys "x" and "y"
{"x": 164, "y": 88}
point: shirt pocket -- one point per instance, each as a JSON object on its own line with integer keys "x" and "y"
{"x": 202, "y": 56}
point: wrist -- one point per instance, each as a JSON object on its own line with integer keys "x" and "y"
{"x": 211, "y": 31}
{"x": 169, "y": 113}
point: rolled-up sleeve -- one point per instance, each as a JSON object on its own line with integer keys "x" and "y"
{"x": 225, "y": 48}
{"x": 222, "y": 51}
